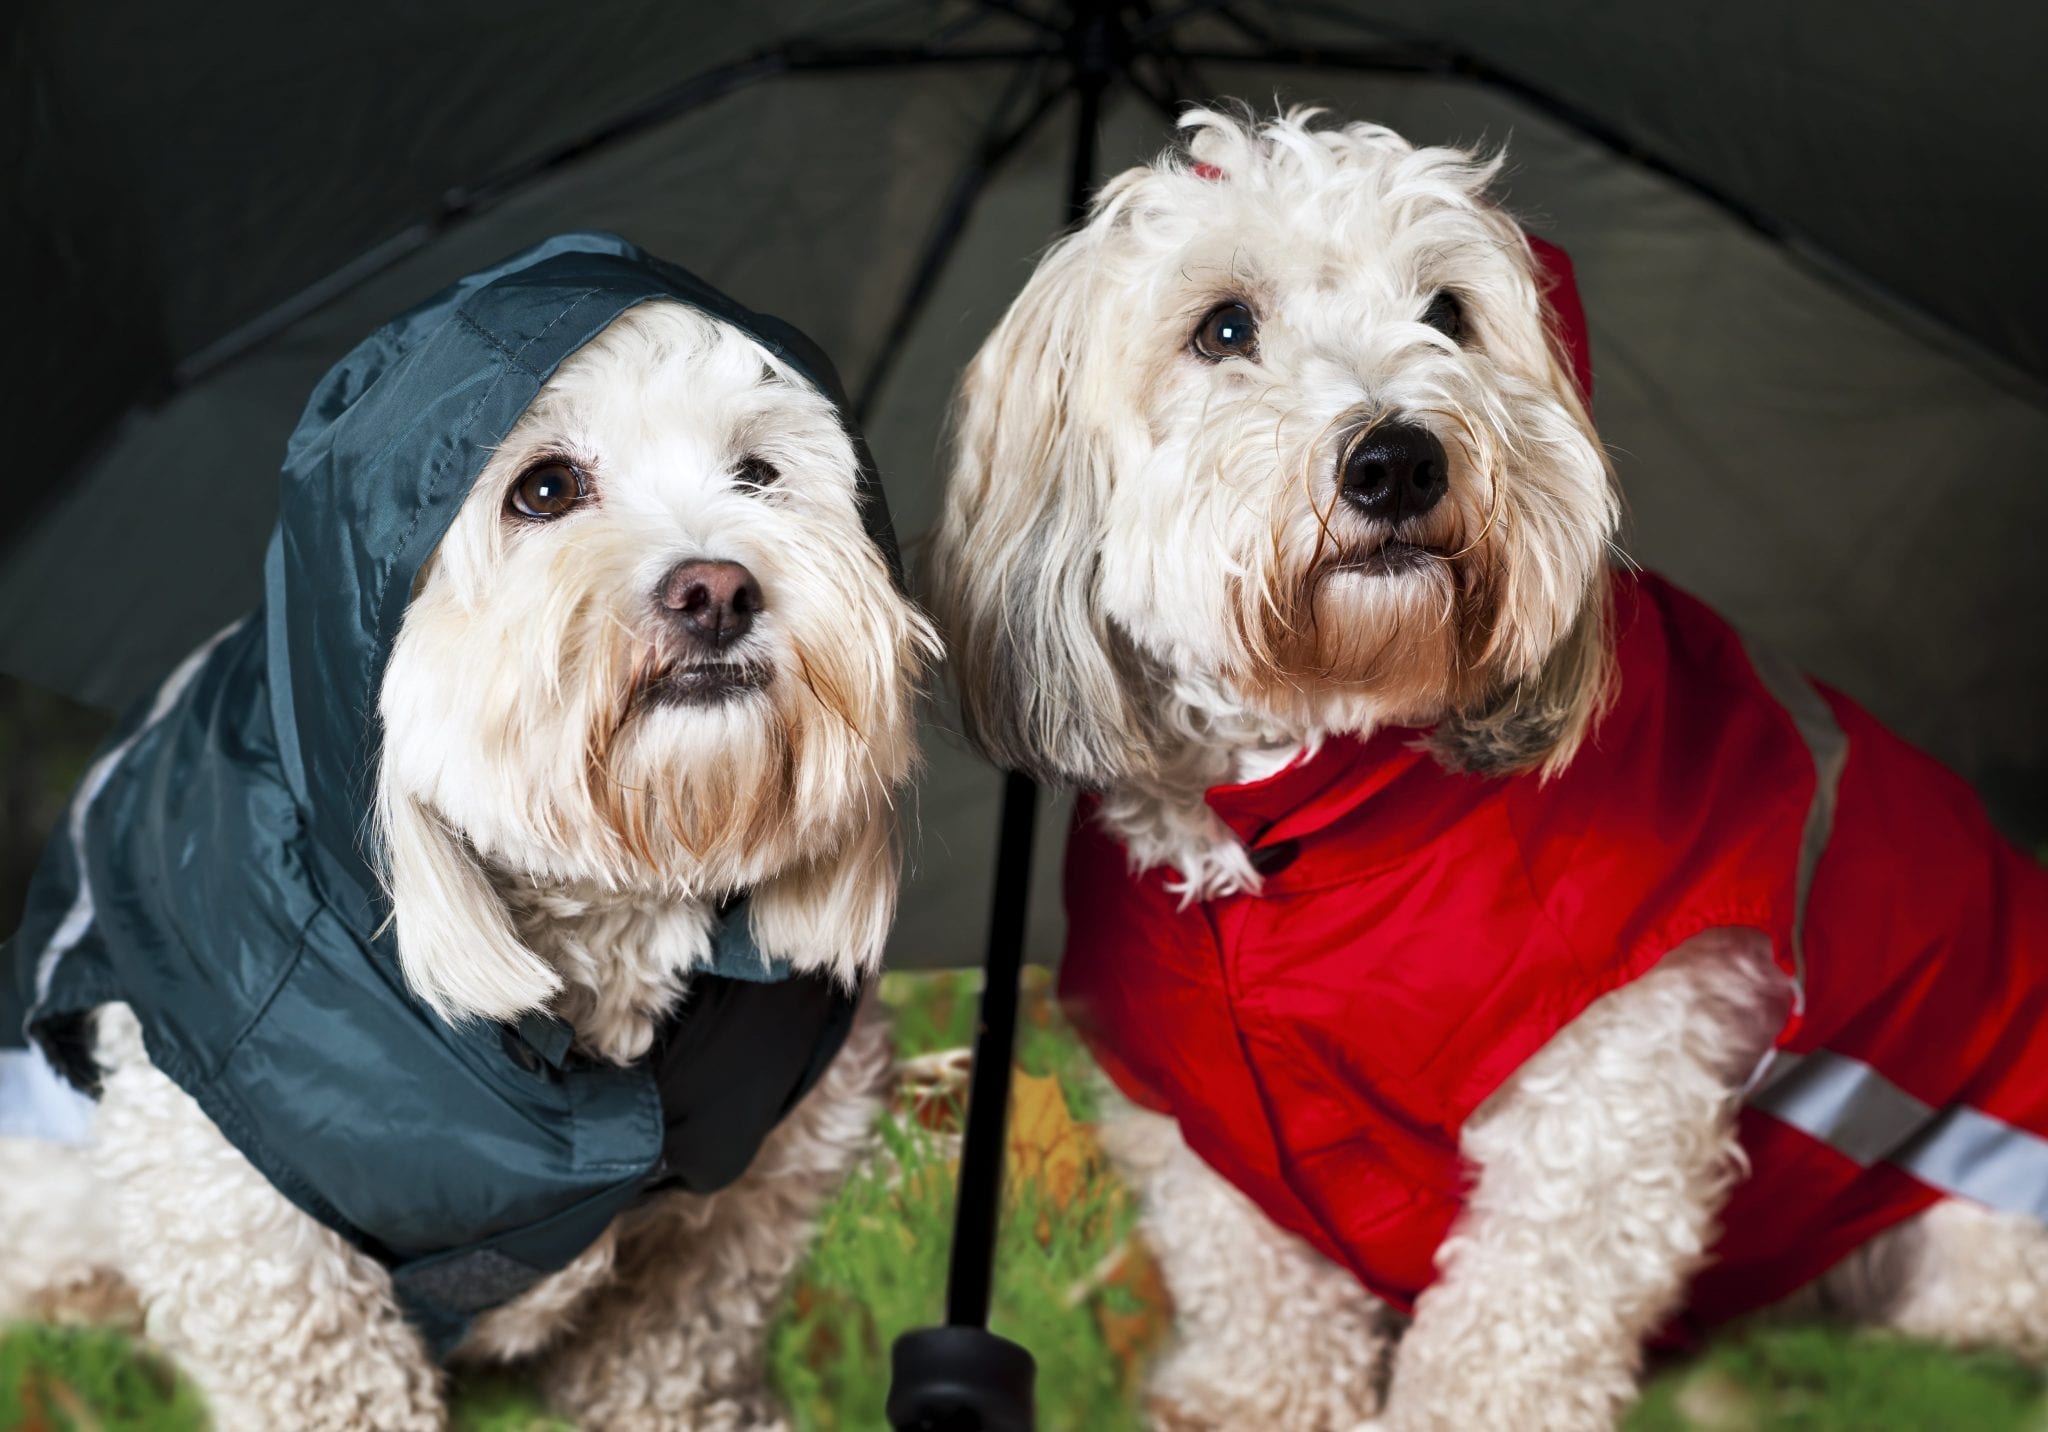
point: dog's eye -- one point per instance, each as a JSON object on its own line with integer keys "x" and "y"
{"x": 757, "y": 472}
{"x": 1230, "y": 331}
{"x": 546, "y": 490}
{"x": 1446, "y": 315}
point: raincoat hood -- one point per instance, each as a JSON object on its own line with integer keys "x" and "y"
{"x": 383, "y": 455}
{"x": 215, "y": 875}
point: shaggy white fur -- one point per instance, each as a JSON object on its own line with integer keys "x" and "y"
{"x": 1162, "y": 565}
{"x": 559, "y": 815}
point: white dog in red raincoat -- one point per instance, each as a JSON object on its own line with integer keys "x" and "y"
{"x": 1498, "y": 926}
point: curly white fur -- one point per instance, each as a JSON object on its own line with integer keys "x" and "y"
{"x": 1153, "y": 584}
{"x": 1248, "y": 1300}
{"x": 552, "y": 839}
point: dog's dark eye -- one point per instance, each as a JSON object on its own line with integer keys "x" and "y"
{"x": 546, "y": 490}
{"x": 757, "y": 472}
{"x": 1230, "y": 331}
{"x": 1446, "y": 315}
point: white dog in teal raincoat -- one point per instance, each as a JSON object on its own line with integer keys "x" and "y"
{"x": 459, "y": 947}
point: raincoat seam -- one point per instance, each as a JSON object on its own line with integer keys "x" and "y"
{"x": 379, "y": 653}
{"x": 291, "y": 968}
{"x": 227, "y": 1115}
{"x": 516, "y": 361}
{"x": 496, "y": 343}
{"x": 563, "y": 312}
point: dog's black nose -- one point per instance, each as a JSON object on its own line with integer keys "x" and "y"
{"x": 1395, "y": 471}
{"x": 713, "y": 602}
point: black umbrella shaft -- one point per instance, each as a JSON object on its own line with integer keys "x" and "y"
{"x": 988, "y": 1097}
{"x": 1099, "y": 45}
{"x": 1082, "y": 176}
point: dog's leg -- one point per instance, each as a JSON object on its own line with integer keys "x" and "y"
{"x": 56, "y": 1235}
{"x": 279, "y": 1321}
{"x": 1958, "y": 1274}
{"x": 679, "y": 1340}
{"x": 1269, "y": 1334}
{"x": 1602, "y": 1166}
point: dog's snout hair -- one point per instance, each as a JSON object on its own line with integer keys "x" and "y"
{"x": 1278, "y": 443}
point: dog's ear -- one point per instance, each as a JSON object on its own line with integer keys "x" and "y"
{"x": 456, "y": 944}
{"x": 1045, "y": 685}
{"x": 833, "y": 914}
{"x": 1539, "y": 721}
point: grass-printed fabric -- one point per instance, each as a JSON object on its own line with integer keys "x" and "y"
{"x": 1075, "y": 1285}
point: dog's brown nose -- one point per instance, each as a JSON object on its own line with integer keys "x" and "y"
{"x": 1395, "y": 471}
{"x": 713, "y": 602}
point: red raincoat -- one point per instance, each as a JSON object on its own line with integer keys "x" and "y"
{"x": 1420, "y": 934}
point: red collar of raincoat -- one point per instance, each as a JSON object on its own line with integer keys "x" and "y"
{"x": 1316, "y": 788}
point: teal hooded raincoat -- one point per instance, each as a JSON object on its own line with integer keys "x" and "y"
{"x": 213, "y": 872}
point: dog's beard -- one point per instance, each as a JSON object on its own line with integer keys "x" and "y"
{"x": 726, "y": 767}
{"x": 1411, "y": 641}
{"x": 734, "y": 765}
{"x": 1332, "y": 620}
{"x": 571, "y": 737}
{"x": 691, "y": 766}
{"x": 1329, "y": 620}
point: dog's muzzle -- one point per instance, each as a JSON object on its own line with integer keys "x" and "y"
{"x": 711, "y": 607}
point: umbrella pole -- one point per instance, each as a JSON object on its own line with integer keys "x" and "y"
{"x": 961, "y": 1377}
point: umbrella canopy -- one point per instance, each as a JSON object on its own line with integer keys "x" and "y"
{"x": 1805, "y": 236}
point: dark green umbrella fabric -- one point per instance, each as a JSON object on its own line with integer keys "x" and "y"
{"x": 214, "y": 874}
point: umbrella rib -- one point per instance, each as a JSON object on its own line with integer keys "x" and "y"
{"x": 1157, "y": 25}
{"x": 1167, "y": 104}
{"x": 1414, "y": 56}
{"x": 1184, "y": 87}
{"x": 791, "y": 58}
{"x": 1043, "y": 24}
{"x": 996, "y": 145}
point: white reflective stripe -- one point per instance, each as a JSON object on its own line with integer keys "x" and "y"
{"x": 1987, "y": 1159}
{"x": 78, "y": 919}
{"x": 1828, "y": 744}
{"x": 1862, "y": 1115}
{"x": 1842, "y": 1102}
{"x": 36, "y": 1102}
